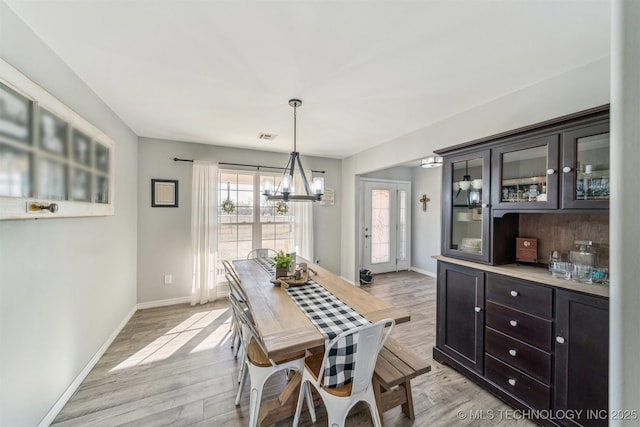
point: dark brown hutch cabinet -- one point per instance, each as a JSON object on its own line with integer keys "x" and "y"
{"x": 536, "y": 344}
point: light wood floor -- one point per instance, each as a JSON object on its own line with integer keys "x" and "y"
{"x": 173, "y": 366}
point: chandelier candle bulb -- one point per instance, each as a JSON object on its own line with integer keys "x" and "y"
{"x": 268, "y": 186}
{"x": 318, "y": 185}
{"x": 286, "y": 184}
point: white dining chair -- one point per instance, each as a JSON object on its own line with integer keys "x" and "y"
{"x": 258, "y": 365}
{"x": 234, "y": 285}
{"x": 338, "y": 401}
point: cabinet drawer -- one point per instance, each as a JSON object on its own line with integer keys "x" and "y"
{"x": 528, "y": 297}
{"x": 525, "y": 327}
{"x": 514, "y": 382}
{"x": 528, "y": 359}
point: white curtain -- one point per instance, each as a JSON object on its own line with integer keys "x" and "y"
{"x": 204, "y": 222}
{"x": 303, "y": 220}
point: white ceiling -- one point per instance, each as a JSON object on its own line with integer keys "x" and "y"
{"x": 220, "y": 72}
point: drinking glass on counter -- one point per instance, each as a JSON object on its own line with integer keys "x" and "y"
{"x": 600, "y": 275}
{"x": 561, "y": 269}
{"x": 582, "y": 273}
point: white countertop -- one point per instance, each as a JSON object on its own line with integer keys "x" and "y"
{"x": 533, "y": 274}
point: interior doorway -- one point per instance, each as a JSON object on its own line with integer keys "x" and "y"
{"x": 385, "y": 225}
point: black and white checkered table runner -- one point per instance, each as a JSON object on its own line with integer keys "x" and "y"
{"x": 332, "y": 317}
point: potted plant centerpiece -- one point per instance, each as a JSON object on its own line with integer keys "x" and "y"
{"x": 283, "y": 264}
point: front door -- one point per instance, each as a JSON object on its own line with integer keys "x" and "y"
{"x": 386, "y": 233}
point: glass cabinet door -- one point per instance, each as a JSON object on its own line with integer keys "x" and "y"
{"x": 467, "y": 209}
{"x": 525, "y": 175}
{"x": 585, "y": 167}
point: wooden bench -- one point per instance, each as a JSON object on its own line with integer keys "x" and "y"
{"x": 395, "y": 367}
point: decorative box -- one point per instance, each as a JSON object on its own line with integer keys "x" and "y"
{"x": 526, "y": 249}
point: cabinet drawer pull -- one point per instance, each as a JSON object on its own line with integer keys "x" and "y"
{"x": 550, "y": 171}
{"x": 566, "y": 169}
{"x": 512, "y": 352}
{"x": 514, "y": 293}
{"x": 513, "y": 323}
{"x": 478, "y": 309}
{"x": 560, "y": 340}
{"x": 512, "y": 382}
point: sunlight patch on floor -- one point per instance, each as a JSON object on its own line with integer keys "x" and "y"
{"x": 219, "y": 336}
{"x": 199, "y": 320}
{"x": 166, "y": 345}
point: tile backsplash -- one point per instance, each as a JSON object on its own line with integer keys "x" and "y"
{"x": 558, "y": 231}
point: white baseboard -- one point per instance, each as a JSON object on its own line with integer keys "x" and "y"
{"x": 163, "y": 302}
{"x": 57, "y": 407}
{"x": 222, "y": 292}
{"x": 425, "y": 272}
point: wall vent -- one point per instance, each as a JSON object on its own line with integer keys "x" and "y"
{"x": 267, "y": 136}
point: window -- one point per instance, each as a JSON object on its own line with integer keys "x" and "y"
{"x": 253, "y": 222}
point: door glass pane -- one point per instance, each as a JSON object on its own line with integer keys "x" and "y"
{"x": 466, "y": 221}
{"x": 592, "y": 179}
{"x": 524, "y": 175}
{"x": 402, "y": 225}
{"x": 15, "y": 172}
{"x": 380, "y": 229}
{"x": 52, "y": 183}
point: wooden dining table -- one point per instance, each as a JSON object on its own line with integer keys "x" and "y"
{"x": 284, "y": 328}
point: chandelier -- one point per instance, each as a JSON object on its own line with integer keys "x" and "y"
{"x": 285, "y": 191}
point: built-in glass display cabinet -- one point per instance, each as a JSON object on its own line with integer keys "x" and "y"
{"x": 525, "y": 174}
{"x": 467, "y": 213}
{"x": 585, "y": 167}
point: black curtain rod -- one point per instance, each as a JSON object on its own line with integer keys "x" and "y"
{"x": 258, "y": 167}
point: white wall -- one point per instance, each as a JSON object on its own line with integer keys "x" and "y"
{"x": 624, "y": 370}
{"x": 425, "y": 226}
{"x": 575, "y": 90}
{"x": 65, "y": 284}
{"x": 398, "y": 173}
{"x": 164, "y": 233}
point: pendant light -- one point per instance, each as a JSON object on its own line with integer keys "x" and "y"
{"x": 471, "y": 187}
{"x": 284, "y": 191}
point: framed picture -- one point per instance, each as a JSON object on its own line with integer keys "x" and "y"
{"x": 164, "y": 193}
{"x": 53, "y": 133}
{"x": 15, "y": 115}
